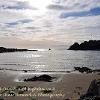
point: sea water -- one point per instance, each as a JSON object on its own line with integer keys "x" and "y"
{"x": 49, "y": 60}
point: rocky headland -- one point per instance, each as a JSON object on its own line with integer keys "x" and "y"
{"x": 86, "y": 45}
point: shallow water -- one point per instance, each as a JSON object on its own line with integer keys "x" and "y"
{"x": 54, "y": 60}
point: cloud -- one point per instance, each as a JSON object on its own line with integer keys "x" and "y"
{"x": 92, "y": 12}
{"x": 19, "y": 22}
{"x": 16, "y": 5}
{"x": 74, "y": 5}
{"x": 56, "y": 7}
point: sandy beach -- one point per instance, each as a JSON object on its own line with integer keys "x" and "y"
{"x": 66, "y": 86}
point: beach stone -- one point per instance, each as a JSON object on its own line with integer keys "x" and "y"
{"x": 93, "y": 92}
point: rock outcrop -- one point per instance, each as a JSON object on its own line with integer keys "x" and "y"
{"x": 93, "y": 92}
{"x": 86, "y": 45}
{"x": 44, "y": 77}
{"x": 83, "y": 69}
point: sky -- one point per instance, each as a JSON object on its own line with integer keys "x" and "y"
{"x": 43, "y": 23}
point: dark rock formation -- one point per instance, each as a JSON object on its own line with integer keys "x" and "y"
{"x": 45, "y": 78}
{"x": 86, "y": 45}
{"x": 3, "y": 49}
{"x": 83, "y": 69}
{"x": 49, "y": 49}
{"x": 75, "y": 46}
{"x": 86, "y": 70}
{"x": 93, "y": 92}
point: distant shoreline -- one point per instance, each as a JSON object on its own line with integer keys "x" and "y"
{"x": 4, "y": 50}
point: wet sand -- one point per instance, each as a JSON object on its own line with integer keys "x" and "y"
{"x": 65, "y": 86}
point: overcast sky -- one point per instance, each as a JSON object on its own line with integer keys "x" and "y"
{"x": 24, "y": 23}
